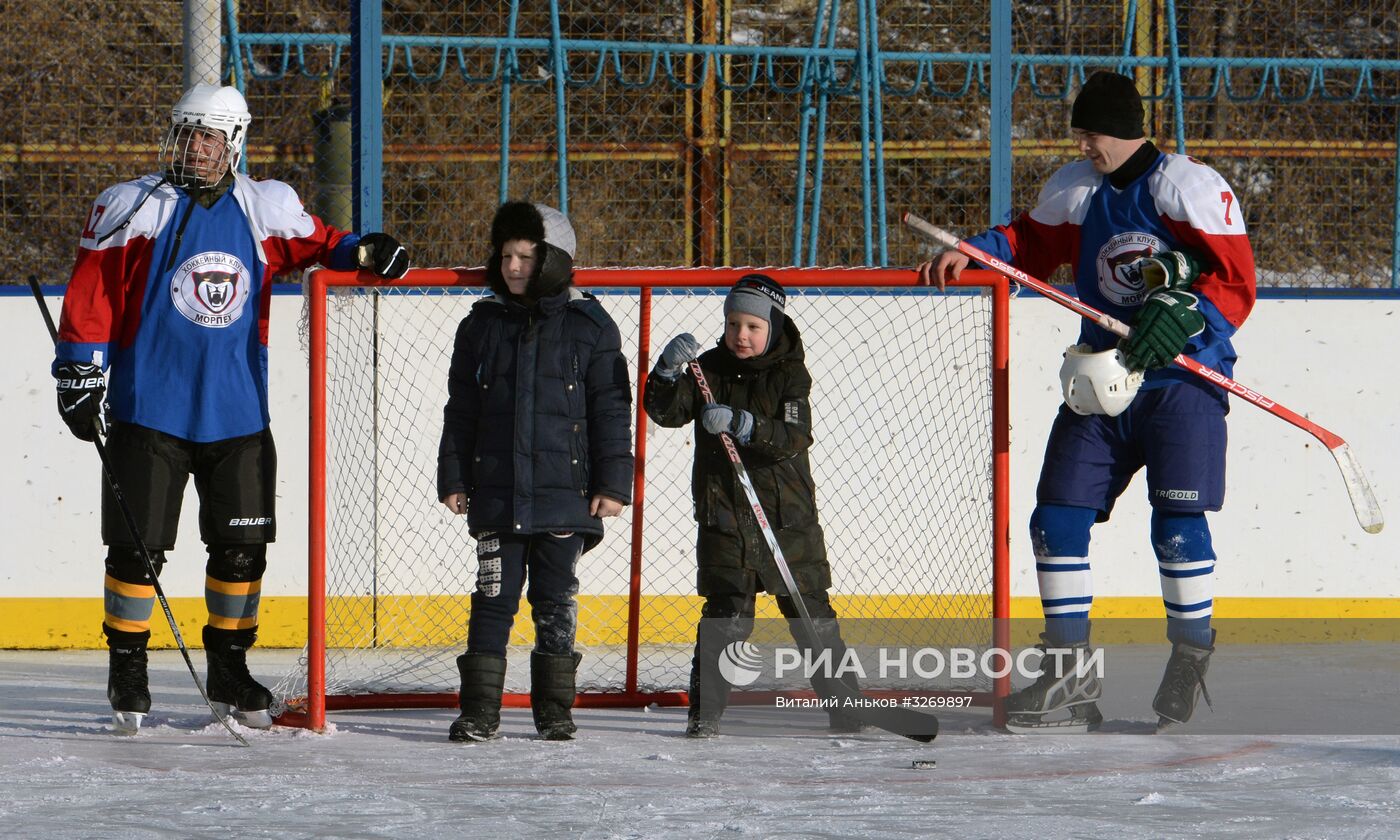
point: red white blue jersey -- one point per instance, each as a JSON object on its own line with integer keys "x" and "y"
{"x": 174, "y": 299}
{"x": 1178, "y": 202}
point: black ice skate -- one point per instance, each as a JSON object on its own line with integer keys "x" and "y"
{"x": 232, "y": 690}
{"x": 1183, "y": 681}
{"x": 483, "y": 680}
{"x": 1063, "y": 700}
{"x": 127, "y": 688}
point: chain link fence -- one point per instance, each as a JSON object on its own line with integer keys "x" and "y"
{"x": 685, "y": 120}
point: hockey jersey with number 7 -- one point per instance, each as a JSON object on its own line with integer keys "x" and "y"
{"x": 1099, "y": 230}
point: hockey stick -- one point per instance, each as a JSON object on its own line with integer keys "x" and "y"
{"x": 901, "y": 721}
{"x": 1363, "y": 500}
{"x": 134, "y": 530}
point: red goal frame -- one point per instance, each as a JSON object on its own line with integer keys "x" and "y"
{"x": 317, "y": 703}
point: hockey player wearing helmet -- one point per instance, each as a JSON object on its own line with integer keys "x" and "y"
{"x": 1157, "y": 240}
{"x": 536, "y": 451}
{"x": 170, "y": 296}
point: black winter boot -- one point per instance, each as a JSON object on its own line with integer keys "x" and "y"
{"x": 127, "y": 688}
{"x": 232, "y": 690}
{"x": 709, "y": 695}
{"x": 483, "y": 680}
{"x": 1183, "y": 681}
{"x": 552, "y": 691}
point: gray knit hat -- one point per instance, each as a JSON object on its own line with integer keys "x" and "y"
{"x": 761, "y": 296}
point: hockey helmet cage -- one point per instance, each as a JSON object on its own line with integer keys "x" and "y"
{"x": 202, "y": 108}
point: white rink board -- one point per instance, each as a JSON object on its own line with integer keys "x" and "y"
{"x": 1287, "y": 529}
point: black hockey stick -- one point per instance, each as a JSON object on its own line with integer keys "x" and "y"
{"x": 901, "y": 721}
{"x": 134, "y": 530}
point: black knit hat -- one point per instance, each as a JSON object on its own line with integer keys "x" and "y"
{"x": 1109, "y": 103}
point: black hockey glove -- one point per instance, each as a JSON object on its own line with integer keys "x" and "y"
{"x": 80, "y": 390}
{"x": 721, "y": 418}
{"x": 382, "y": 254}
{"x": 1168, "y": 320}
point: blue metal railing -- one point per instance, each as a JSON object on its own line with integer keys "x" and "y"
{"x": 822, "y": 71}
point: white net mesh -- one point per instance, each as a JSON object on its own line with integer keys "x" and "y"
{"x": 902, "y": 410}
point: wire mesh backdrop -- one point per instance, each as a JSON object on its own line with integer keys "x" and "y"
{"x": 904, "y": 436}
{"x": 684, "y": 121}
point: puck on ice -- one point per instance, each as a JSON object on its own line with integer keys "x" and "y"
{"x": 924, "y": 764}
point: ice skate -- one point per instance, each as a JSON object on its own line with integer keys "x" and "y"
{"x": 1182, "y": 683}
{"x": 127, "y": 689}
{"x": 232, "y": 690}
{"x": 1063, "y": 700}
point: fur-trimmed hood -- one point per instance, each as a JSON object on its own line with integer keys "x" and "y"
{"x": 555, "y": 245}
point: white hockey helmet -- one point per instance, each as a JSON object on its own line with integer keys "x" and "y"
{"x": 1097, "y": 383}
{"x": 190, "y": 163}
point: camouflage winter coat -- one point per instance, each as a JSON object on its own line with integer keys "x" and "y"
{"x": 731, "y": 549}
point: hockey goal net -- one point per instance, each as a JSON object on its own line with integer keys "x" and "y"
{"x": 909, "y": 458}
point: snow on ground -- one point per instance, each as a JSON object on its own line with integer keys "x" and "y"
{"x": 632, "y": 775}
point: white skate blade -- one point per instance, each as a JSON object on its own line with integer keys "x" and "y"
{"x": 1166, "y": 724}
{"x": 1027, "y": 726}
{"x": 1082, "y": 720}
{"x": 127, "y": 723}
{"x": 256, "y": 719}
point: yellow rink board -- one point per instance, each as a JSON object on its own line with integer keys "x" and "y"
{"x": 61, "y": 623}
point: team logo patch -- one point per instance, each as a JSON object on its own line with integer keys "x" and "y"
{"x": 1119, "y": 281}
{"x": 210, "y": 289}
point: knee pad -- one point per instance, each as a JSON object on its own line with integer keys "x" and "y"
{"x": 124, "y": 563}
{"x": 1061, "y": 530}
{"x": 237, "y": 563}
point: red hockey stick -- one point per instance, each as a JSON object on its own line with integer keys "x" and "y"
{"x": 1363, "y": 500}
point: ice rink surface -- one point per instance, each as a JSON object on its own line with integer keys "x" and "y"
{"x": 631, "y": 774}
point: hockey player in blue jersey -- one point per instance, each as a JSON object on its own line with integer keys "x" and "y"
{"x": 1157, "y": 240}
{"x": 170, "y": 294}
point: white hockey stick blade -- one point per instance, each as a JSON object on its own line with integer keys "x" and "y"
{"x": 1363, "y": 501}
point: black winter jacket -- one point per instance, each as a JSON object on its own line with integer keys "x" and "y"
{"x": 775, "y": 388}
{"x": 538, "y": 415}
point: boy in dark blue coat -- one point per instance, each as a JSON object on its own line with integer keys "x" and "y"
{"x": 536, "y": 450}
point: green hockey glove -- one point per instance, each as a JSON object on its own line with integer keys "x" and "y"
{"x": 1169, "y": 318}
